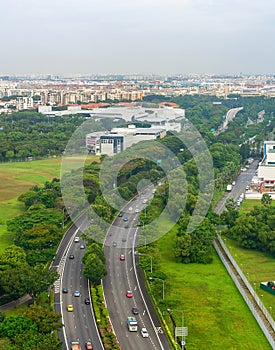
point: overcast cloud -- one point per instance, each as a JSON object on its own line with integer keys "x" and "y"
{"x": 123, "y": 36}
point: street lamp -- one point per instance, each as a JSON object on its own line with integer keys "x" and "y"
{"x": 182, "y": 326}
{"x": 151, "y": 261}
{"x": 155, "y": 278}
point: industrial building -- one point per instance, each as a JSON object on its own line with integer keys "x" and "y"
{"x": 118, "y": 139}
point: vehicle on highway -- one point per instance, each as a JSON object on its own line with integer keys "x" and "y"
{"x": 88, "y": 345}
{"x": 125, "y": 219}
{"x": 130, "y": 209}
{"x": 124, "y": 239}
{"x": 233, "y": 183}
{"x": 132, "y": 324}
{"x": 82, "y": 246}
{"x": 114, "y": 244}
{"x": 129, "y": 294}
{"x": 135, "y": 311}
{"x": 64, "y": 290}
{"x": 76, "y": 239}
{"x": 137, "y": 210}
{"x": 122, "y": 257}
{"x": 87, "y": 301}
{"x": 71, "y": 256}
{"x": 144, "y": 333}
{"x": 77, "y": 293}
{"x": 70, "y": 308}
{"x": 75, "y": 345}
{"x": 120, "y": 215}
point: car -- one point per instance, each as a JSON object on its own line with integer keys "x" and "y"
{"x": 124, "y": 239}
{"x": 125, "y": 219}
{"x": 144, "y": 201}
{"x": 76, "y": 239}
{"x": 88, "y": 345}
{"x": 70, "y": 308}
{"x": 77, "y": 293}
{"x": 64, "y": 290}
{"x": 114, "y": 244}
{"x": 129, "y": 294}
{"x": 71, "y": 256}
{"x": 122, "y": 257}
{"x": 137, "y": 210}
{"x": 134, "y": 311}
{"x": 130, "y": 209}
{"x": 87, "y": 301}
{"x": 82, "y": 246}
{"x": 144, "y": 333}
{"x": 233, "y": 183}
{"x": 120, "y": 215}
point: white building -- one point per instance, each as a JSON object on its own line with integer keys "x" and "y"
{"x": 118, "y": 139}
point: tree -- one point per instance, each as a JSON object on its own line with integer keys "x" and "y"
{"x": 45, "y": 319}
{"x": 266, "y": 199}
{"x": 94, "y": 269}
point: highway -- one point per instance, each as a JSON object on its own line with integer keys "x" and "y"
{"x": 122, "y": 277}
{"x": 79, "y": 325}
{"x": 242, "y": 180}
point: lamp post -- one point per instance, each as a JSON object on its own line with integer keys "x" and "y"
{"x": 151, "y": 261}
{"x": 182, "y": 326}
{"x": 155, "y": 278}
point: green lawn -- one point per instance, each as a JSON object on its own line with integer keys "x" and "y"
{"x": 214, "y": 312}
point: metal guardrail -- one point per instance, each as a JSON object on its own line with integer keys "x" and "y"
{"x": 251, "y": 290}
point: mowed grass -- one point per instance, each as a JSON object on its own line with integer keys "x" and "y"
{"x": 214, "y": 311}
{"x": 17, "y": 178}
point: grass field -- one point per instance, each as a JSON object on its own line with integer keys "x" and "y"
{"x": 17, "y": 178}
{"x": 214, "y": 312}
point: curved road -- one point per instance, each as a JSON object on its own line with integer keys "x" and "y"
{"x": 122, "y": 277}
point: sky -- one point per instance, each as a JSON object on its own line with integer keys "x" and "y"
{"x": 145, "y": 36}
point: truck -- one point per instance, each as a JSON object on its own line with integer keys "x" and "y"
{"x": 132, "y": 324}
{"x": 229, "y": 188}
{"x": 75, "y": 345}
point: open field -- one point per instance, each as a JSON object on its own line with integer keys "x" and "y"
{"x": 17, "y": 178}
{"x": 214, "y": 311}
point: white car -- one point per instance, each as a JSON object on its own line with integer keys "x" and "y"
{"x": 144, "y": 333}
{"x": 76, "y": 239}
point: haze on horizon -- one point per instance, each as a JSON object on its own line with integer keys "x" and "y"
{"x": 122, "y": 36}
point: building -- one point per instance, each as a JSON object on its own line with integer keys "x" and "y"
{"x": 118, "y": 139}
{"x": 266, "y": 169}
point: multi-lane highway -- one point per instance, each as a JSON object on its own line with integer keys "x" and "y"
{"x": 122, "y": 277}
{"x": 242, "y": 180}
{"x": 79, "y": 324}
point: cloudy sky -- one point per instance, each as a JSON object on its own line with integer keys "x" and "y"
{"x": 145, "y": 36}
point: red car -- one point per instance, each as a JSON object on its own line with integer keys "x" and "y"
{"x": 122, "y": 257}
{"x": 129, "y": 294}
{"x": 88, "y": 345}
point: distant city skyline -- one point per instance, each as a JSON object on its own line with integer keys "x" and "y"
{"x": 65, "y": 37}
